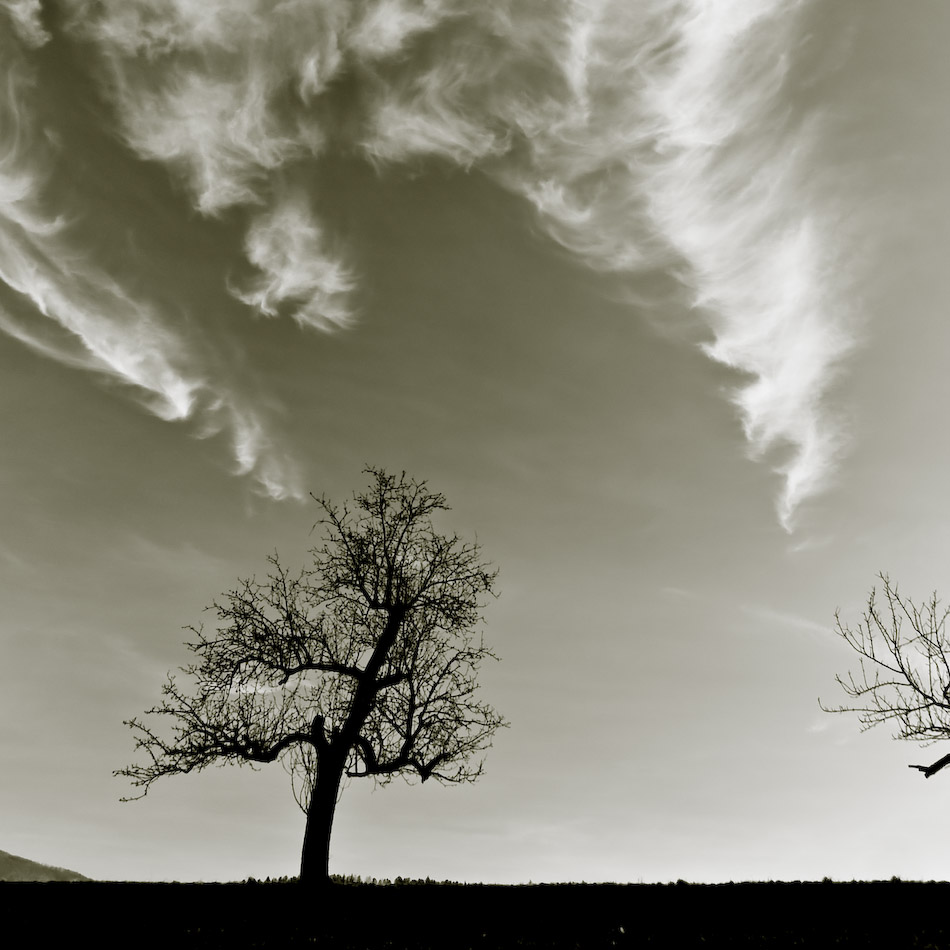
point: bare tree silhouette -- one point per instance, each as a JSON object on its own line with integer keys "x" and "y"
{"x": 904, "y": 657}
{"x": 362, "y": 665}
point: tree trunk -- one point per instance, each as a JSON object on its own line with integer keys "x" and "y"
{"x": 331, "y": 761}
{"x": 315, "y": 858}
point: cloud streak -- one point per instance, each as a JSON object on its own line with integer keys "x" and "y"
{"x": 665, "y": 137}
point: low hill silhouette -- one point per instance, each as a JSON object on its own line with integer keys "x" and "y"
{"x": 14, "y": 868}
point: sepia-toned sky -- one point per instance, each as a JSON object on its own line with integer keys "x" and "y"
{"x": 655, "y": 293}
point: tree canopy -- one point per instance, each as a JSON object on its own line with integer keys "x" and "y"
{"x": 363, "y": 664}
{"x": 904, "y": 668}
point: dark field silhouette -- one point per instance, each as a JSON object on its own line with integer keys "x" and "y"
{"x": 430, "y": 916}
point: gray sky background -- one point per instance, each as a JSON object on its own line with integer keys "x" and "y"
{"x": 653, "y": 292}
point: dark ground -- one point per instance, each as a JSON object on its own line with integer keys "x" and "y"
{"x": 427, "y": 916}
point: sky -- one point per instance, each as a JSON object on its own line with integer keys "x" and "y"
{"x": 654, "y": 293}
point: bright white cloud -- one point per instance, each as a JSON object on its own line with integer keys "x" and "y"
{"x": 680, "y": 148}
{"x": 660, "y": 136}
{"x": 735, "y": 195}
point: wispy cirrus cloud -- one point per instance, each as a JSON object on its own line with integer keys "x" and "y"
{"x": 670, "y": 136}
{"x": 37, "y": 261}
{"x": 287, "y": 247}
{"x": 92, "y": 321}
